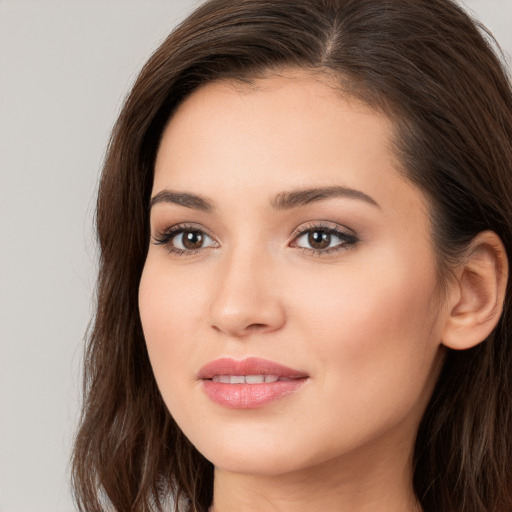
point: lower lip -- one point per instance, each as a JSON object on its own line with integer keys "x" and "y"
{"x": 249, "y": 396}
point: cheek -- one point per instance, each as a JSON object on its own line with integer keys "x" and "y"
{"x": 171, "y": 298}
{"x": 169, "y": 313}
{"x": 373, "y": 331}
{"x": 168, "y": 305}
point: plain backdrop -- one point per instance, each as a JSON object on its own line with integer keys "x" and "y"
{"x": 65, "y": 67}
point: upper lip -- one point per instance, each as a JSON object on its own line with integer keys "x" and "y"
{"x": 248, "y": 366}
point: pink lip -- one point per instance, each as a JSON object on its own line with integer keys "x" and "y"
{"x": 249, "y": 396}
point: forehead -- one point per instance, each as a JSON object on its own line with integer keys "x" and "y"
{"x": 284, "y": 131}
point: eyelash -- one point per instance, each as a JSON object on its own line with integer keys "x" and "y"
{"x": 165, "y": 237}
{"x": 348, "y": 240}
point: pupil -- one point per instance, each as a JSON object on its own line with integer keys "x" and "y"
{"x": 192, "y": 239}
{"x": 319, "y": 239}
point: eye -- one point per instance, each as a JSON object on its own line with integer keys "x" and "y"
{"x": 184, "y": 239}
{"x": 323, "y": 239}
{"x": 191, "y": 240}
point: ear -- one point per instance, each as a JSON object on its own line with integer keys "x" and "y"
{"x": 475, "y": 298}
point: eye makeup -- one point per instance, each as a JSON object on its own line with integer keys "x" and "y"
{"x": 314, "y": 238}
{"x": 323, "y": 238}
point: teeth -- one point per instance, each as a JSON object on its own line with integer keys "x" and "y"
{"x": 246, "y": 379}
{"x": 254, "y": 379}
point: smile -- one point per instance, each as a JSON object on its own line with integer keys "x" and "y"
{"x": 250, "y": 383}
{"x": 248, "y": 379}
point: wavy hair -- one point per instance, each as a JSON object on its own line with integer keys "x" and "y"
{"x": 434, "y": 72}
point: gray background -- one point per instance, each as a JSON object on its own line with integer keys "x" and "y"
{"x": 65, "y": 67}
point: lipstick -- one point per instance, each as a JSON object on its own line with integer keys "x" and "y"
{"x": 249, "y": 383}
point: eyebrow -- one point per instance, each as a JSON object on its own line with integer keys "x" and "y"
{"x": 283, "y": 200}
{"x": 183, "y": 199}
{"x": 297, "y": 198}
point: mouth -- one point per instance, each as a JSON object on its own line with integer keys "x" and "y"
{"x": 250, "y": 383}
{"x": 248, "y": 379}
{"x": 250, "y": 369}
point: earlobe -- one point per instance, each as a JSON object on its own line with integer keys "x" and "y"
{"x": 477, "y": 294}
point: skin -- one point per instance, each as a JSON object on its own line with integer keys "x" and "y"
{"x": 364, "y": 322}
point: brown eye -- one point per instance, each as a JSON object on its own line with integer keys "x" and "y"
{"x": 324, "y": 240}
{"x": 319, "y": 239}
{"x": 189, "y": 240}
{"x": 183, "y": 240}
{"x": 192, "y": 239}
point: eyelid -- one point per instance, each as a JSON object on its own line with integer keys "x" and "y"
{"x": 323, "y": 225}
{"x": 165, "y": 236}
{"x": 348, "y": 237}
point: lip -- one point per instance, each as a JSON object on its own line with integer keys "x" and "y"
{"x": 248, "y": 366}
{"x": 249, "y": 396}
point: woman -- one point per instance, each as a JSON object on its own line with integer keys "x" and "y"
{"x": 303, "y": 301}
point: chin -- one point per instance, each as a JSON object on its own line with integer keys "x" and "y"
{"x": 263, "y": 456}
{"x": 261, "y": 464}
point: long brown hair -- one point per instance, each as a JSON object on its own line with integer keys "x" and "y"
{"x": 433, "y": 71}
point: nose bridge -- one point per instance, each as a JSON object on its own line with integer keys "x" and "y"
{"x": 246, "y": 298}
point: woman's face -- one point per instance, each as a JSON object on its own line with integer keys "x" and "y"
{"x": 287, "y": 247}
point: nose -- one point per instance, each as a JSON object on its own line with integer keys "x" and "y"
{"x": 247, "y": 297}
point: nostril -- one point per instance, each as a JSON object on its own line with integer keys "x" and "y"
{"x": 243, "y": 332}
{"x": 256, "y": 327}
